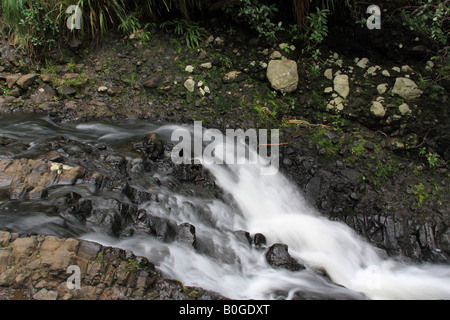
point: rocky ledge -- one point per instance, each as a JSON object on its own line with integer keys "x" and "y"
{"x": 39, "y": 267}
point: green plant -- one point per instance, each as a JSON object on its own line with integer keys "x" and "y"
{"x": 433, "y": 159}
{"x": 317, "y": 25}
{"x": 430, "y": 18}
{"x": 99, "y": 16}
{"x": 32, "y": 24}
{"x": 192, "y": 32}
{"x": 258, "y": 15}
{"x": 157, "y": 8}
{"x": 419, "y": 190}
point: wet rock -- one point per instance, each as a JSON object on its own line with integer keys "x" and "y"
{"x": 243, "y": 236}
{"x": 259, "y": 240}
{"x": 283, "y": 75}
{"x": 82, "y": 210}
{"x": 186, "y": 234}
{"x": 278, "y": 257}
{"x": 162, "y": 228}
{"x": 152, "y": 146}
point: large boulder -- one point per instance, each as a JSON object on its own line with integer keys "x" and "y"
{"x": 406, "y": 88}
{"x": 283, "y": 75}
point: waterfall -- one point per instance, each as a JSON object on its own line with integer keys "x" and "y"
{"x": 273, "y": 206}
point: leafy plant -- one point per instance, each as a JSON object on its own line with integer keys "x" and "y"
{"x": 100, "y": 15}
{"x": 317, "y": 25}
{"x": 192, "y": 32}
{"x": 429, "y": 18}
{"x": 259, "y": 16}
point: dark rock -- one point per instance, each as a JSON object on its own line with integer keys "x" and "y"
{"x": 350, "y": 174}
{"x": 82, "y": 210}
{"x": 259, "y": 240}
{"x": 67, "y": 91}
{"x": 313, "y": 188}
{"x": 152, "y": 146}
{"x": 186, "y": 234}
{"x": 162, "y": 228}
{"x": 243, "y": 236}
{"x": 27, "y": 80}
{"x": 369, "y": 145}
{"x": 278, "y": 257}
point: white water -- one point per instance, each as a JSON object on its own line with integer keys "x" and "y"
{"x": 272, "y": 205}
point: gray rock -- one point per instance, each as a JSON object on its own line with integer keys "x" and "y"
{"x": 186, "y": 234}
{"x": 67, "y": 91}
{"x": 278, "y": 257}
{"x": 25, "y": 81}
{"x": 283, "y": 75}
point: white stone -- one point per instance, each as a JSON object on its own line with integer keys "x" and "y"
{"x": 385, "y": 73}
{"x": 189, "y": 68}
{"x": 276, "y": 55}
{"x": 404, "y": 109}
{"x": 396, "y": 69}
{"x": 363, "y": 63}
{"x": 341, "y": 85}
{"x": 377, "y": 109}
{"x": 381, "y": 88}
{"x": 102, "y": 89}
{"x": 328, "y": 73}
{"x": 206, "y": 65}
{"x": 328, "y": 90}
{"x": 372, "y": 71}
{"x": 189, "y": 84}
{"x": 407, "y": 68}
{"x": 406, "y": 88}
{"x": 283, "y": 75}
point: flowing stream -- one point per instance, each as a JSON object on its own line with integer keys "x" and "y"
{"x": 267, "y": 204}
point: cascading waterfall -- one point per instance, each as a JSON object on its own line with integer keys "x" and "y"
{"x": 267, "y": 204}
{"x": 273, "y": 206}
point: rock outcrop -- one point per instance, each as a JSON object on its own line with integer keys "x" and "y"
{"x": 53, "y": 268}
